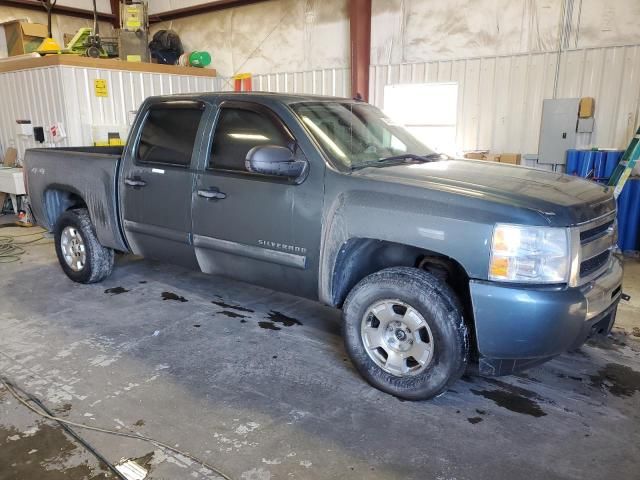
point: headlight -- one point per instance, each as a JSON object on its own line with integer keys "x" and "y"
{"x": 529, "y": 254}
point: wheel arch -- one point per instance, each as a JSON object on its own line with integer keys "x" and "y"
{"x": 57, "y": 200}
{"x": 360, "y": 257}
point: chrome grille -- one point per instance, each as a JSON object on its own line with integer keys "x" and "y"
{"x": 588, "y": 235}
{"x": 596, "y": 240}
{"x": 587, "y": 267}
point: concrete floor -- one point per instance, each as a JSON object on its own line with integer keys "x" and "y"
{"x": 225, "y": 371}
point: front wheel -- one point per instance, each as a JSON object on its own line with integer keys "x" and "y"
{"x": 405, "y": 333}
{"x": 79, "y": 252}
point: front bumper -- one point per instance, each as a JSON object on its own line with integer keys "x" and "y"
{"x": 518, "y": 327}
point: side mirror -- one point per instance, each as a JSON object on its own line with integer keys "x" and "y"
{"x": 275, "y": 160}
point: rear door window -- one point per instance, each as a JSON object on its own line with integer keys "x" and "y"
{"x": 168, "y": 134}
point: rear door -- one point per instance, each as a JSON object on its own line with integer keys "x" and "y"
{"x": 257, "y": 228}
{"x": 156, "y": 182}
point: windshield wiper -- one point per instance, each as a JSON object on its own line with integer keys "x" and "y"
{"x": 430, "y": 157}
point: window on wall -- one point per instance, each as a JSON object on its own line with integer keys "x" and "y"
{"x": 428, "y": 110}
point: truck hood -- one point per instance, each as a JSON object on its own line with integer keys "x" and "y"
{"x": 560, "y": 199}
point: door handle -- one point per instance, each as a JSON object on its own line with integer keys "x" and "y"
{"x": 212, "y": 194}
{"x": 135, "y": 182}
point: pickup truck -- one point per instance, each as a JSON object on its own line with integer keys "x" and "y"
{"x": 436, "y": 263}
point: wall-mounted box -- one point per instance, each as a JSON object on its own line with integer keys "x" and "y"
{"x": 585, "y": 125}
{"x": 587, "y": 107}
{"x": 23, "y": 37}
{"x": 559, "y": 130}
{"x": 24, "y": 127}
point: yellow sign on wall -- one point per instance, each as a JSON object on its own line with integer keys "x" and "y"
{"x": 100, "y": 87}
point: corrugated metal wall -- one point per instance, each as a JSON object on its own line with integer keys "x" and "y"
{"x": 27, "y": 95}
{"x": 500, "y": 98}
{"x": 332, "y": 81}
{"x": 66, "y": 94}
{"x": 127, "y": 90}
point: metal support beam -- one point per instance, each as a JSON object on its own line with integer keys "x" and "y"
{"x": 198, "y": 9}
{"x": 59, "y": 9}
{"x": 360, "y": 23}
{"x": 115, "y": 11}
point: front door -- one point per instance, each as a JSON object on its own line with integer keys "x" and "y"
{"x": 256, "y": 228}
{"x": 156, "y": 183}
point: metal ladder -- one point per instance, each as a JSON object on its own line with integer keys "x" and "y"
{"x": 627, "y": 162}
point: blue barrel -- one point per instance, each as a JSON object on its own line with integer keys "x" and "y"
{"x": 585, "y": 163}
{"x": 599, "y": 164}
{"x": 629, "y": 216}
{"x": 613, "y": 158}
{"x": 573, "y": 156}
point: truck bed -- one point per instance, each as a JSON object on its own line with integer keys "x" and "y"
{"x": 59, "y": 178}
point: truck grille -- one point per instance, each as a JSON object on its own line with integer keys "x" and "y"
{"x": 597, "y": 239}
{"x": 588, "y": 235}
{"x": 592, "y": 264}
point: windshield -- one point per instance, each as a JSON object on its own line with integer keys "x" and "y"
{"x": 355, "y": 135}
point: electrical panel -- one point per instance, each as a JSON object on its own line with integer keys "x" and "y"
{"x": 562, "y": 129}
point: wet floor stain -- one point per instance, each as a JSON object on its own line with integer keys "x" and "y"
{"x": 240, "y": 308}
{"x": 173, "y": 296}
{"x": 619, "y": 380}
{"x": 512, "y": 401}
{"x": 607, "y": 343}
{"x": 64, "y": 408}
{"x": 116, "y": 290}
{"x": 268, "y": 326}
{"x": 474, "y": 420}
{"x": 512, "y": 397}
{"x": 231, "y": 314}
{"x": 278, "y": 317}
{"x": 45, "y": 455}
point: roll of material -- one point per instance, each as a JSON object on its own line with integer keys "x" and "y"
{"x": 573, "y": 157}
{"x": 585, "y": 163}
{"x": 613, "y": 158}
{"x": 629, "y": 216}
{"x": 599, "y": 164}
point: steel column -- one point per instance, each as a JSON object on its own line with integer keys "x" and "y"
{"x": 360, "y": 23}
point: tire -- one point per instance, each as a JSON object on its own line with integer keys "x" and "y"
{"x": 405, "y": 299}
{"x": 98, "y": 260}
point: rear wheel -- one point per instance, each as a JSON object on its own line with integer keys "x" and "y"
{"x": 79, "y": 252}
{"x": 405, "y": 333}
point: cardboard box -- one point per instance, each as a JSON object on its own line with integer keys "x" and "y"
{"x": 23, "y": 37}
{"x": 510, "y": 158}
{"x": 587, "y": 107}
{"x": 492, "y": 157}
{"x": 475, "y": 155}
{"x": 10, "y": 157}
